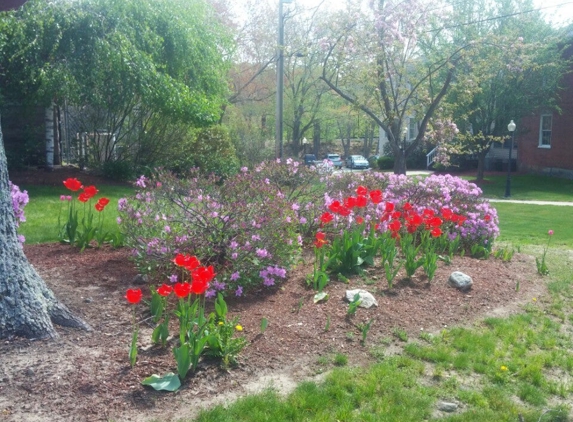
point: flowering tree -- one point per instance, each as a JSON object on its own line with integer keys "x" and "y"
{"x": 28, "y": 307}
{"x": 395, "y": 62}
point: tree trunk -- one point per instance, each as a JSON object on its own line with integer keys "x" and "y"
{"x": 399, "y": 161}
{"x": 481, "y": 165}
{"x": 316, "y": 139}
{"x": 28, "y": 308}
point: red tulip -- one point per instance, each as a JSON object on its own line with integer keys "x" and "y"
{"x": 326, "y": 218}
{"x": 361, "y": 190}
{"x": 436, "y": 232}
{"x": 83, "y": 197}
{"x": 90, "y": 191}
{"x": 199, "y": 287}
{"x": 99, "y": 207}
{"x": 203, "y": 274}
{"x": 320, "y": 240}
{"x": 389, "y": 207}
{"x": 361, "y": 201}
{"x": 182, "y": 289}
{"x": 133, "y": 295}
{"x": 103, "y": 201}
{"x": 395, "y": 225}
{"x": 164, "y": 290}
{"x": 407, "y": 206}
{"x": 187, "y": 261}
{"x": 376, "y": 196}
{"x": 359, "y": 220}
{"x": 350, "y": 202}
{"x": 72, "y": 184}
{"x": 334, "y": 206}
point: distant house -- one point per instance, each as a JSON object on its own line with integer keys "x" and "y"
{"x": 545, "y": 139}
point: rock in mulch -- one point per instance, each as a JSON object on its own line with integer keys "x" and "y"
{"x": 366, "y": 298}
{"x": 460, "y": 281}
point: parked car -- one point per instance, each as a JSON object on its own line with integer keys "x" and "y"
{"x": 310, "y": 160}
{"x": 357, "y": 162}
{"x": 335, "y": 159}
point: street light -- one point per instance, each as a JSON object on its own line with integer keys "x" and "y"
{"x": 280, "y": 82}
{"x": 511, "y": 128}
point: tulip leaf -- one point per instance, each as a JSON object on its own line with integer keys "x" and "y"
{"x": 320, "y": 296}
{"x": 167, "y": 382}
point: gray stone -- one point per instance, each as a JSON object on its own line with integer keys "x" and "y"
{"x": 460, "y": 281}
{"x": 445, "y": 406}
{"x": 140, "y": 279}
{"x": 366, "y": 298}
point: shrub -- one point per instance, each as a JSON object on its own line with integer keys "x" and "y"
{"x": 213, "y": 152}
{"x": 245, "y": 227}
{"x": 385, "y": 163}
{"x": 118, "y": 170}
{"x": 438, "y": 193}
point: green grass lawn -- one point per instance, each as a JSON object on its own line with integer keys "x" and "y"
{"x": 42, "y": 211}
{"x": 528, "y": 187}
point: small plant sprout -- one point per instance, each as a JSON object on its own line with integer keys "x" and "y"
{"x": 541, "y": 264}
{"x": 327, "y": 325}
{"x": 264, "y": 324}
{"x": 364, "y": 328}
{"x": 340, "y": 359}
{"x": 400, "y": 334}
{"x": 353, "y": 306}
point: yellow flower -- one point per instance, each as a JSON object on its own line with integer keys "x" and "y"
{"x": 220, "y": 322}
{"x": 238, "y": 327}
{"x": 503, "y": 368}
{"x": 534, "y": 299}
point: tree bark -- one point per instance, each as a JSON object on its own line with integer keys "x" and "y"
{"x": 49, "y": 123}
{"x": 28, "y": 308}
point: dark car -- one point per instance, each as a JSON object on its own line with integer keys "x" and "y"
{"x": 357, "y": 162}
{"x": 310, "y": 160}
{"x": 335, "y": 159}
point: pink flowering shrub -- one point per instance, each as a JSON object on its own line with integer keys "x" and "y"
{"x": 301, "y": 186}
{"x": 435, "y": 192}
{"x": 243, "y": 226}
{"x": 19, "y": 201}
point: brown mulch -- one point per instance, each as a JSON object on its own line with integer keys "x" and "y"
{"x": 86, "y": 376}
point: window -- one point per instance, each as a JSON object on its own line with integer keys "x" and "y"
{"x": 412, "y": 128}
{"x": 545, "y": 131}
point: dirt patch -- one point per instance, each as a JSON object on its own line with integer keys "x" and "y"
{"x": 86, "y": 376}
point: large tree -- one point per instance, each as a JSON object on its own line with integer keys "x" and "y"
{"x": 28, "y": 308}
{"x": 130, "y": 69}
{"x": 515, "y": 71}
{"x": 394, "y": 61}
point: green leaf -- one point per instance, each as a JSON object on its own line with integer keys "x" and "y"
{"x": 320, "y": 296}
{"x": 167, "y": 382}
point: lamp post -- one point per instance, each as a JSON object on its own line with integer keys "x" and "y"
{"x": 280, "y": 83}
{"x": 511, "y": 128}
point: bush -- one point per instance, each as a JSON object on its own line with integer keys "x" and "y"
{"x": 433, "y": 192}
{"x": 213, "y": 152}
{"x": 118, "y": 170}
{"x": 244, "y": 227}
{"x": 385, "y": 163}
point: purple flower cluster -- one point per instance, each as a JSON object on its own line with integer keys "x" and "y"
{"x": 242, "y": 225}
{"x": 19, "y": 200}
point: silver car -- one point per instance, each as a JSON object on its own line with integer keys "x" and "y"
{"x": 335, "y": 159}
{"x": 357, "y": 162}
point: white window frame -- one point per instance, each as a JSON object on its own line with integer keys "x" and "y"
{"x": 542, "y": 131}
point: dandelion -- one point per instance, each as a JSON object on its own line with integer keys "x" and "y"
{"x": 503, "y": 368}
{"x": 239, "y": 327}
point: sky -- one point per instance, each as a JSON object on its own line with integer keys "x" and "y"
{"x": 559, "y": 12}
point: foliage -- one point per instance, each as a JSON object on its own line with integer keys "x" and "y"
{"x": 19, "y": 200}
{"x": 198, "y": 334}
{"x": 213, "y": 152}
{"x": 244, "y": 226}
{"x": 131, "y": 70}
{"x": 541, "y": 264}
{"x": 78, "y": 230}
